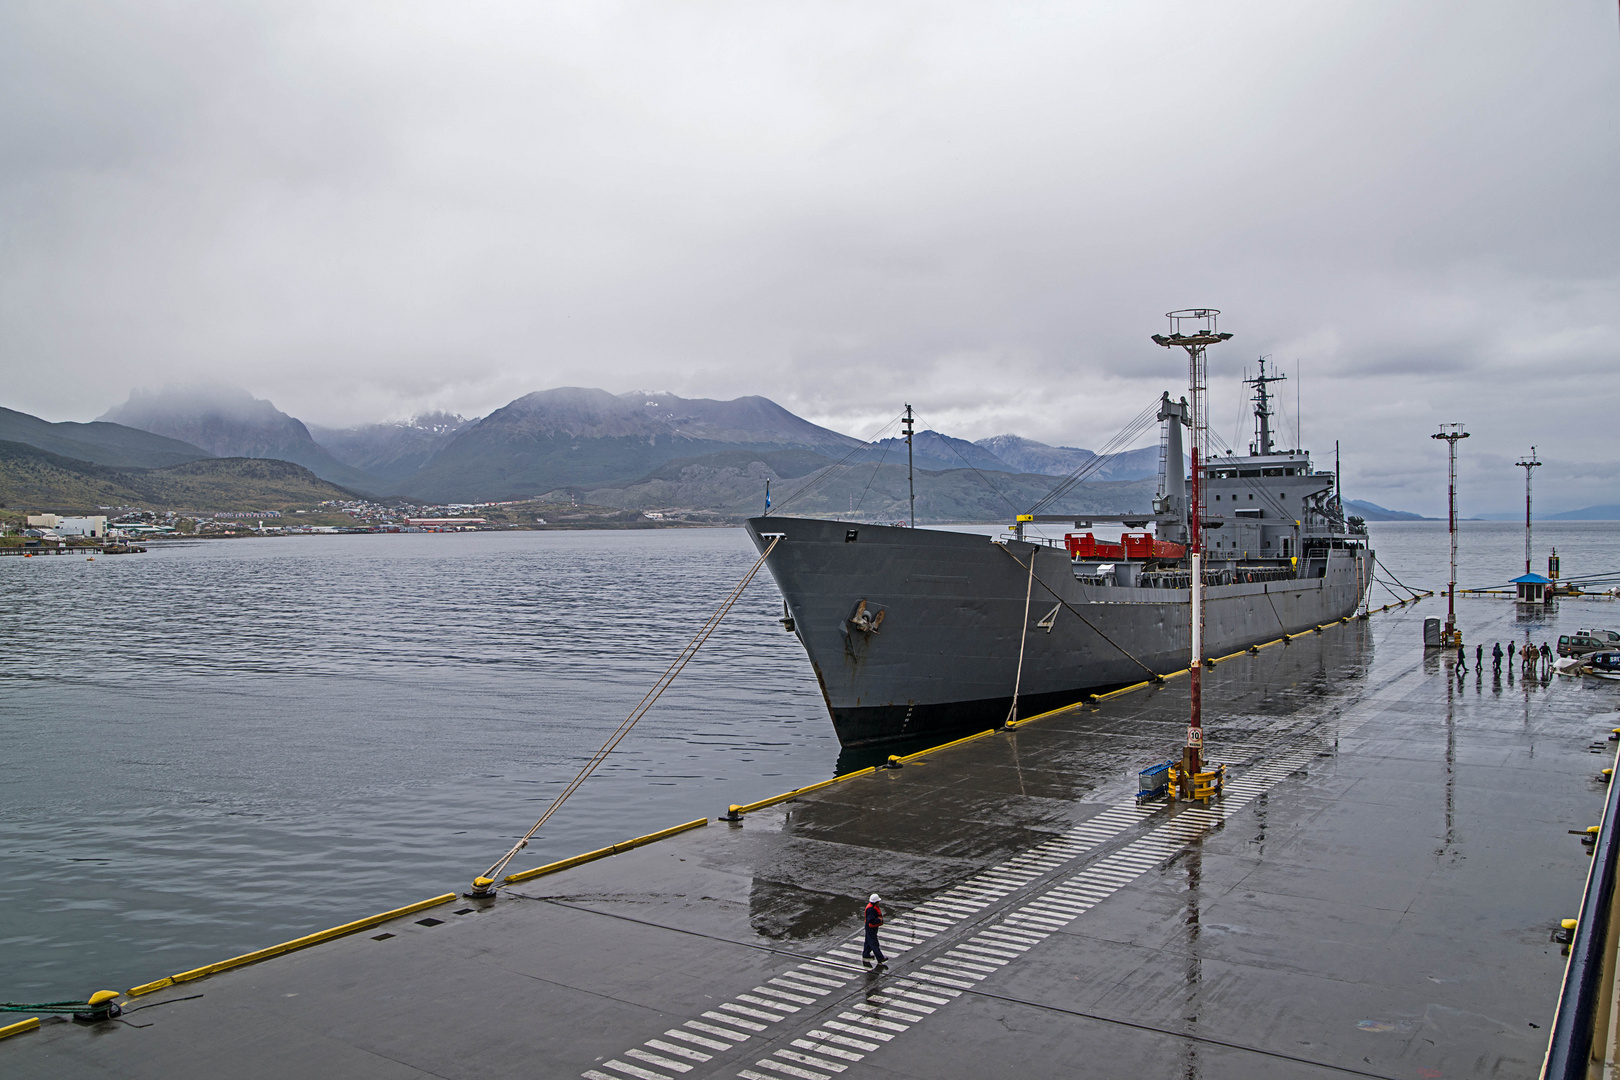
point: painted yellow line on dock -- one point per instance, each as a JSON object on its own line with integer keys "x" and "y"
{"x": 946, "y": 746}
{"x": 1126, "y": 689}
{"x": 291, "y": 946}
{"x": 786, "y": 795}
{"x": 601, "y": 853}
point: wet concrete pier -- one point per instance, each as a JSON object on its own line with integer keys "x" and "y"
{"x": 1373, "y": 896}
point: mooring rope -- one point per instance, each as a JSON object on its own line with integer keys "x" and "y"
{"x": 1391, "y": 590}
{"x": 1018, "y": 678}
{"x": 1398, "y": 581}
{"x": 45, "y": 1006}
{"x": 485, "y": 884}
{"x": 1151, "y": 673}
{"x": 1275, "y": 614}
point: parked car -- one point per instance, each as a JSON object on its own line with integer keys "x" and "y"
{"x": 1580, "y": 643}
{"x": 1608, "y": 637}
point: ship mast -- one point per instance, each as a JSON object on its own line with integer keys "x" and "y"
{"x": 1262, "y": 408}
{"x": 911, "y": 476}
{"x": 1204, "y": 333}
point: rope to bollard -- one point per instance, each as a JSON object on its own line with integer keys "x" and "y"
{"x": 101, "y": 1005}
{"x": 45, "y": 1006}
{"x": 1152, "y": 675}
{"x": 485, "y": 884}
{"x": 1018, "y": 677}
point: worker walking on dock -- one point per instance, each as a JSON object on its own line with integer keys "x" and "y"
{"x": 1462, "y": 659}
{"x": 1496, "y": 658}
{"x": 874, "y": 919}
{"x": 1479, "y": 656}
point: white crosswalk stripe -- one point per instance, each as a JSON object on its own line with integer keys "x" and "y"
{"x": 832, "y": 1045}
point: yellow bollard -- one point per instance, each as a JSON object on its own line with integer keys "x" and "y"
{"x": 1209, "y": 785}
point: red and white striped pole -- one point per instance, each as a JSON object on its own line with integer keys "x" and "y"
{"x": 1205, "y": 332}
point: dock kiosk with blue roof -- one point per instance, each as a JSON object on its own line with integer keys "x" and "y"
{"x": 1533, "y": 588}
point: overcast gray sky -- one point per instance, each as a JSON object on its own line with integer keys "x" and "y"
{"x": 366, "y": 210}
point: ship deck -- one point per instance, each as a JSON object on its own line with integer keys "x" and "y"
{"x": 1373, "y": 897}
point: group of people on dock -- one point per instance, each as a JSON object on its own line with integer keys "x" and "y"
{"x": 1531, "y": 658}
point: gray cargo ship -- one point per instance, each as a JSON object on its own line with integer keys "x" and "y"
{"x": 916, "y": 632}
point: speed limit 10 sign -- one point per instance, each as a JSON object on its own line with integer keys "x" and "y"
{"x": 1195, "y": 736}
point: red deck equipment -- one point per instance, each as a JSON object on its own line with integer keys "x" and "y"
{"x": 1140, "y": 545}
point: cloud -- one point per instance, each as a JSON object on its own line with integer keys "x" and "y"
{"x": 376, "y": 209}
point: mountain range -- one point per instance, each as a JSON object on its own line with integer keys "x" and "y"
{"x": 227, "y": 422}
{"x": 639, "y": 450}
{"x": 643, "y": 450}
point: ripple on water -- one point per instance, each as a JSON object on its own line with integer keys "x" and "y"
{"x": 224, "y": 745}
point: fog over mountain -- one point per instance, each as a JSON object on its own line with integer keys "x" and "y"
{"x": 228, "y": 422}
{"x": 376, "y": 211}
{"x": 390, "y": 452}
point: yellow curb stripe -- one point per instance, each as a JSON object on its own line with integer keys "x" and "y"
{"x": 601, "y": 853}
{"x": 786, "y": 795}
{"x": 946, "y": 746}
{"x": 19, "y": 1027}
{"x": 292, "y": 946}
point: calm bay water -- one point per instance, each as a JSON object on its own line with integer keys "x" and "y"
{"x": 217, "y": 746}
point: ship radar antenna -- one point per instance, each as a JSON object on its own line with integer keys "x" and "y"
{"x": 1195, "y": 330}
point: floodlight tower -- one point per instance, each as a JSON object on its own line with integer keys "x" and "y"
{"x": 1528, "y": 464}
{"x": 1450, "y": 635}
{"x": 1204, "y": 332}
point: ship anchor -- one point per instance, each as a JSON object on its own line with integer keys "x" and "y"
{"x": 864, "y": 621}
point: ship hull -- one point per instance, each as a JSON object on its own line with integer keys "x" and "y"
{"x": 945, "y": 656}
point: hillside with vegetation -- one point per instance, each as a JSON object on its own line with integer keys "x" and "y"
{"x": 100, "y": 442}
{"x": 39, "y": 481}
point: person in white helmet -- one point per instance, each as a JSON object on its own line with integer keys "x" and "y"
{"x": 874, "y": 919}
